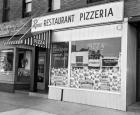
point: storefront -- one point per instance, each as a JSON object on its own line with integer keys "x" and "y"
{"x": 8, "y": 53}
{"x": 30, "y": 66}
{"x": 22, "y": 58}
{"x": 91, "y": 56}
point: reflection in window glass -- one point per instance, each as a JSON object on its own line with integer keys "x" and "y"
{"x": 24, "y": 66}
{"x": 59, "y": 65}
{"x": 100, "y": 67}
{"x": 6, "y": 60}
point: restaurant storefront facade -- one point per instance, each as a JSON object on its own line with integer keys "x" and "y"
{"x": 91, "y": 51}
{"x": 82, "y": 56}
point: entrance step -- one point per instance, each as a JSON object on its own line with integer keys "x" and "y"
{"x": 134, "y": 107}
{"x": 38, "y": 94}
{"x": 22, "y": 92}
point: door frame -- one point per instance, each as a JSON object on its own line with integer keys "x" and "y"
{"x": 42, "y": 54}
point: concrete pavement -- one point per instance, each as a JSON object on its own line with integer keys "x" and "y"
{"x": 22, "y": 104}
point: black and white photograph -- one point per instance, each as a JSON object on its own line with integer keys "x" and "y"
{"x": 69, "y": 57}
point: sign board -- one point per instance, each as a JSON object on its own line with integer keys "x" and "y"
{"x": 94, "y": 63}
{"x": 10, "y": 28}
{"x": 109, "y": 62}
{"x": 103, "y": 13}
{"x": 105, "y": 83}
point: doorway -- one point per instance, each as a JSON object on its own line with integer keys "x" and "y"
{"x": 41, "y": 72}
{"x": 138, "y": 66}
{"x": 23, "y": 75}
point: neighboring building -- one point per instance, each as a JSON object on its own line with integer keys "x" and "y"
{"x": 17, "y": 59}
{"x": 81, "y": 51}
{"x": 132, "y": 13}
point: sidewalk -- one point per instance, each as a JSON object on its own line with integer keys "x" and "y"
{"x": 22, "y": 104}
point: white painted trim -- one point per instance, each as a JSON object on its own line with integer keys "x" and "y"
{"x": 98, "y": 32}
{"x": 90, "y": 90}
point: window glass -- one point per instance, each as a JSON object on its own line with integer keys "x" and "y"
{"x": 28, "y": 7}
{"x": 59, "y": 64}
{"x": 93, "y": 1}
{"x": 24, "y": 66}
{"x": 55, "y": 4}
{"x": 6, "y": 60}
{"x": 100, "y": 64}
{"x": 28, "y": 1}
{"x": 5, "y": 16}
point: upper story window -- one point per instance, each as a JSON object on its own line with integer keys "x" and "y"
{"x": 5, "y": 16}
{"x": 97, "y": 1}
{"x": 55, "y": 4}
{"x": 94, "y": 1}
{"x": 27, "y": 8}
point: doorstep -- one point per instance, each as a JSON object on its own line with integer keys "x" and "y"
{"x": 134, "y": 107}
{"x": 22, "y": 92}
{"x": 36, "y": 94}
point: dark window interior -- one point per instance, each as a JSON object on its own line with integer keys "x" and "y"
{"x": 25, "y": 12}
{"x": 79, "y": 59}
{"x": 21, "y": 57}
{"x": 5, "y": 11}
{"x": 94, "y": 1}
{"x": 97, "y": 1}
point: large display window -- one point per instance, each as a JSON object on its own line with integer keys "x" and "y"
{"x": 95, "y": 64}
{"x": 59, "y": 64}
{"x": 6, "y": 60}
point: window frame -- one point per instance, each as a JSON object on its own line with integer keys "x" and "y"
{"x": 9, "y": 50}
{"x": 5, "y": 15}
{"x": 54, "y": 6}
{"x": 24, "y": 11}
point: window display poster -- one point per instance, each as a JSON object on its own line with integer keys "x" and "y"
{"x": 94, "y": 62}
{"x": 110, "y": 62}
{"x": 6, "y": 60}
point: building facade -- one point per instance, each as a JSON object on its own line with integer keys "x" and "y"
{"x": 88, "y": 51}
{"x": 82, "y": 51}
{"x": 15, "y": 24}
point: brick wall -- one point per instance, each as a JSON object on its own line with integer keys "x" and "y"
{"x": 39, "y": 7}
{"x": 15, "y": 9}
{"x": 70, "y": 4}
{"x": 132, "y": 8}
{"x": 1, "y": 10}
{"x": 66, "y": 4}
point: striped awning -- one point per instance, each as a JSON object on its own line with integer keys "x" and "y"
{"x": 39, "y": 40}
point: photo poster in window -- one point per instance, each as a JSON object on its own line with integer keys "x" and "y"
{"x": 6, "y": 60}
{"x": 95, "y": 54}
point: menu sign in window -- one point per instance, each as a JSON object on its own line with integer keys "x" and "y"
{"x": 109, "y": 62}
